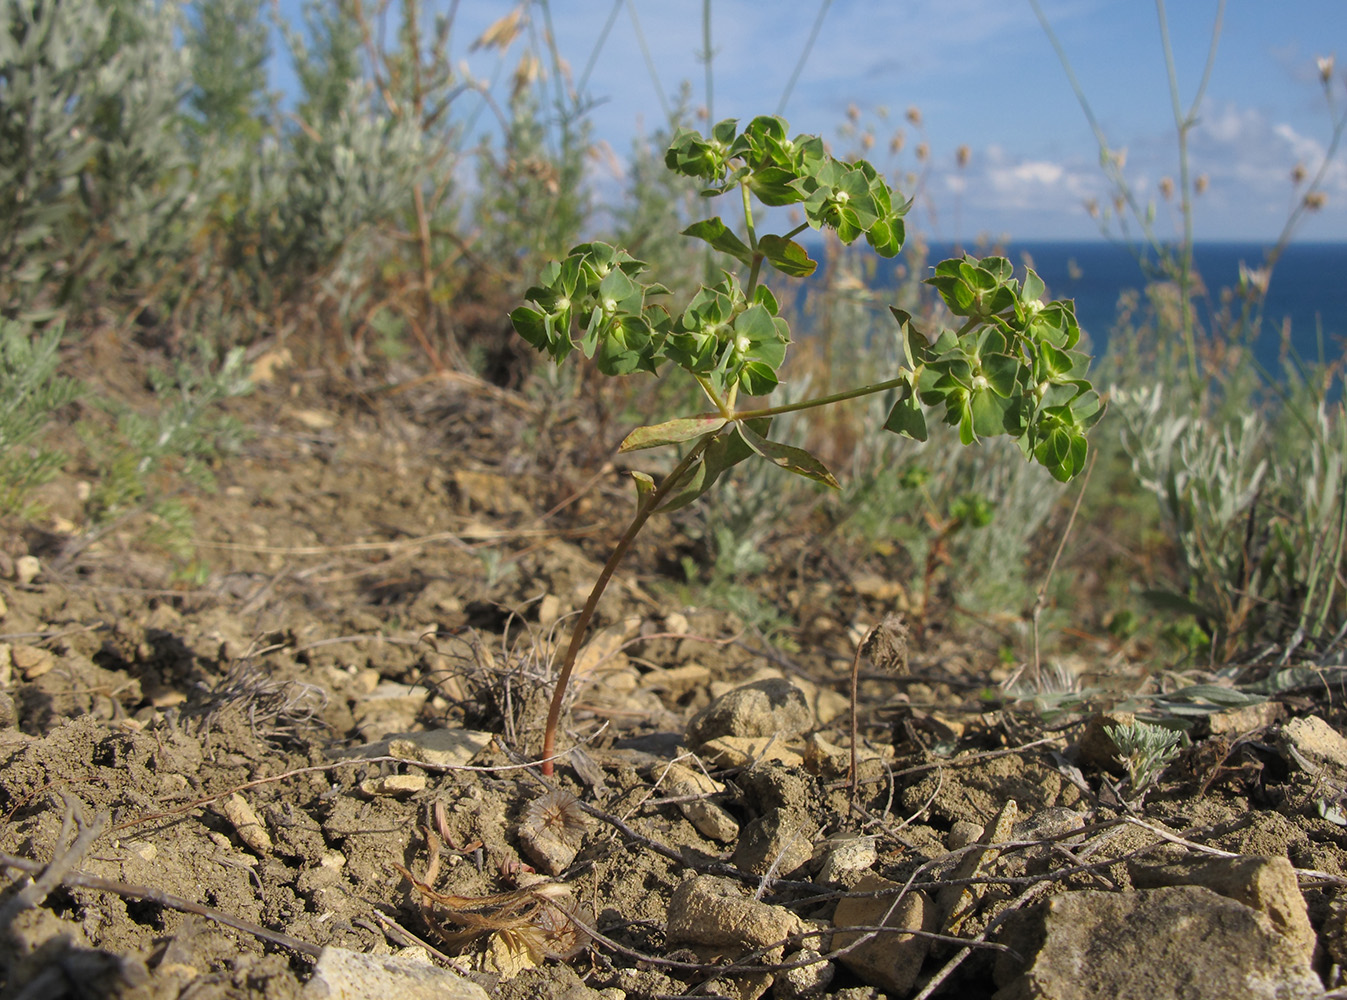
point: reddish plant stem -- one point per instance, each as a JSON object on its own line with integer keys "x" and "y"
{"x": 647, "y": 505}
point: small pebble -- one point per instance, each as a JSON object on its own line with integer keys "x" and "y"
{"x": 31, "y": 661}
{"x": 396, "y": 785}
{"x": 245, "y": 822}
{"x": 26, "y": 570}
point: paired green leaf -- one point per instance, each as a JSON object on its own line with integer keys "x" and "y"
{"x": 724, "y": 452}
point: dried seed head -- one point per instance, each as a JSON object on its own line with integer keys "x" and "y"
{"x": 962, "y": 155}
{"x": 562, "y": 935}
{"x": 501, "y": 32}
{"x": 557, "y": 813}
{"x": 886, "y": 645}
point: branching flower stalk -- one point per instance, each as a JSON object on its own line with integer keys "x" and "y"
{"x": 1009, "y": 368}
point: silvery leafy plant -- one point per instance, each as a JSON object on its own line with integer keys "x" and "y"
{"x": 1010, "y": 367}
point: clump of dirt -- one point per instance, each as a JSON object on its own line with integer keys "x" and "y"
{"x": 328, "y": 744}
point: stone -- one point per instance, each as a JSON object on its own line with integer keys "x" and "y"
{"x": 881, "y": 589}
{"x": 1334, "y": 930}
{"x": 740, "y": 751}
{"x": 1180, "y": 942}
{"x": 547, "y": 851}
{"x": 250, "y": 829}
{"x": 675, "y": 682}
{"x": 779, "y": 841}
{"x": 706, "y": 910}
{"x": 845, "y": 858}
{"x": 1238, "y": 721}
{"x": 1312, "y": 744}
{"x": 350, "y": 975}
{"x": 744, "y": 986}
{"x": 26, "y": 570}
{"x": 708, "y": 817}
{"x": 549, "y": 610}
{"x": 604, "y": 650}
{"x": 958, "y": 903}
{"x": 830, "y": 761}
{"x": 1266, "y": 884}
{"x": 389, "y": 708}
{"x": 770, "y": 707}
{"x": 396, "y": 786}
{"x": 805, "y": 981}
{"x": 890, "y": 961}
{"x": 443, "y": 747}
{"x": 31, "y": 661}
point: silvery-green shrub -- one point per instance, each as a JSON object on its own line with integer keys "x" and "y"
{"x": 95, "y": 185}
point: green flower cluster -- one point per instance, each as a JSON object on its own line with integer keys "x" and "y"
{"x": 850, "y": 198}
{"x": 1010, "y": 369}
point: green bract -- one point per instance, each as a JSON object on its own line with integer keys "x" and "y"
{"x": 1010, "y": 368}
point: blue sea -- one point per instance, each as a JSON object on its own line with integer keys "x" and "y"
{"x": 1308, "y": 287}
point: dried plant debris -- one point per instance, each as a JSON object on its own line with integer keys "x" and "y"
{"x": 279, "y": 712}
{"x": 519, "y": 929}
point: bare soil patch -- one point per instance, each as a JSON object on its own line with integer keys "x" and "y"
{"x": 326, "y": 744}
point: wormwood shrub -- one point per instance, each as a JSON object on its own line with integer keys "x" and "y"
{"x": 144, "y": 464}
{"x": 1009, "y": 368}
{"x": 30, "y": 393}
{"x": 1145, "y": 750}
{"x": 1257, "y": 509}
{"x": 96, "y": 189}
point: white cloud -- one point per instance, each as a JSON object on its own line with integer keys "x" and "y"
{"x": 1004, "y": 181}
{"x": 1244, "y": 149}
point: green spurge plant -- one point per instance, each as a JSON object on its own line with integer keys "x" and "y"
{"x": 1009, "y": 368}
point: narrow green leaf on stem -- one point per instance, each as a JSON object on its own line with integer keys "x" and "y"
{"x": 671, "y": 432}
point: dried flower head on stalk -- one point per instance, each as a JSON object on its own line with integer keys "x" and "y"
{"x": 885, "y": 645}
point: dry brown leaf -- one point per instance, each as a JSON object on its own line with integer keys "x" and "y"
{"x": 501, "y": 32}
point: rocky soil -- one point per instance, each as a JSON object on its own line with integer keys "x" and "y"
{"x": 312, "y": 773}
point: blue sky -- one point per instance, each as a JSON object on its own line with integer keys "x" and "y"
{"x": 983, "y": 74}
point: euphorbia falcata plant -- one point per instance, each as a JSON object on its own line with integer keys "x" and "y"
{"x": 1008, "y": 368}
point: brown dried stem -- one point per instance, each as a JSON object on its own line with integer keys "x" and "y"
{"x": 646, "y": 505}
